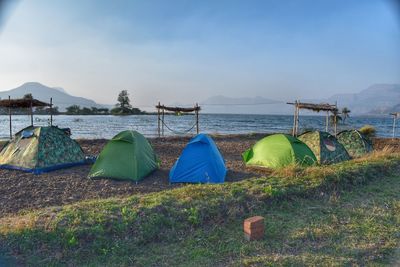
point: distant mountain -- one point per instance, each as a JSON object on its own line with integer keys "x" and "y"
{"x": 376, "y": 99}
{"x": 243, "y": 105}
{"x": 61, "y": 98}
{"x": 386, "y": 111}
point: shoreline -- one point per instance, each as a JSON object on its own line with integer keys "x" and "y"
{"x": 20, "y": 191}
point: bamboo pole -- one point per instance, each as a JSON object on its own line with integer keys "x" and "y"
{"x": 158, "y": 118}
{"x": 335, "y": 124}
{"x": 31, "y": 110}
{"x": 294, "y": 119}
{"x": 162, "y": 126}
{"x": 327, "y": 121}
{"x": 51, "y": 111}
{"x": 297, "y": 118}
{"x": 9, "y": 114}
{"x": 197, "y": 118}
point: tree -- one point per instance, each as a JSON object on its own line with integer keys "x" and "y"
{"x": 345, "y": 112}
{"x": 124, "y": 101}
{"x": 73, "y": 110}
{"x": 27, "y": 96}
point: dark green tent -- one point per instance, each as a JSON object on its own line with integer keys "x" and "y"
{"x": 325, "y": 147}
{"x": 41, "y": 149}
{"x": 127, "y": 156}
{"x": 279, "y": 150}
{"x": 356, "y": 144}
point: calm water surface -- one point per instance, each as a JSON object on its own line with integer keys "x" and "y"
{"x": 107, "y": 126}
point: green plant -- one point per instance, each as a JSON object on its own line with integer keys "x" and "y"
{"x": 368, "y": 130}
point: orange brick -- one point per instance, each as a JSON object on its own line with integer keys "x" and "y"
{"x": 253, "y": 228}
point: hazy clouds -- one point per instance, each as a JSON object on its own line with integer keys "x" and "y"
{"x": 186, "y": 51}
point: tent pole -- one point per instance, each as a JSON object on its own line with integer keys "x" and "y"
{"x": 51, "y": 111}
{"x": 197, "y": 118}
{"x": 9, "y": 114}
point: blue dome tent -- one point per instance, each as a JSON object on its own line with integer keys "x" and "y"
{"x": 200, "y": 162}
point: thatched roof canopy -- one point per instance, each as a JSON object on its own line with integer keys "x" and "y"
{"x": 178, "y": 109}
{"x": 22, "y": 103}
{"x": 315, "y": 107}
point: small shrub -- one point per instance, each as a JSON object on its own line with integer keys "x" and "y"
{"x": 368, "y": 130}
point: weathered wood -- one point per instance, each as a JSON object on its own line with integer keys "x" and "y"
{"x": 158, "y": 118}
{"x": 31, "y": 111}
{"x": 178, "y": 109}
{"x": 22, "y": 103}
{"x": 197, "y": 117}
{"x": 162, "y": 125}
{"x": 9, "y": 114}
{"x": 51, "y": 111}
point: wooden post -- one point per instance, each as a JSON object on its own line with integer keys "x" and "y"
{"x": 197, "y": 118}
{"x": 394, "y": 125}
{"x": 297, "y": 119}
{"x": 31, "y": 114}
{"x": 162, "y": 126}
{"x": 9, "y": 114}
{"x": 335, "y": 124}
{"x": 335, "y": 119}
{"x": 158, "y": 118}
{"x": 294, "y": 119}
{"x": 51, "y": 111}
{"x": 327, "y": 122}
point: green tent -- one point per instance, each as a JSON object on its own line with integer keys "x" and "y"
{"x": 325, "y": 147}
{"x": 127, "y": 156}
{"x": 355, "y": 143}
{"x": 279, "y": 150}
{"x": 41, "y": 149}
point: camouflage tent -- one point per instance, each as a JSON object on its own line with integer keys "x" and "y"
{"x": 355, "y": 143}
{"x": 41, "y": 149}
{"x": 325, "y": 147}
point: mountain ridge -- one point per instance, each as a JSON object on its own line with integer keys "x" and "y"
{"x": 61, "y": 98}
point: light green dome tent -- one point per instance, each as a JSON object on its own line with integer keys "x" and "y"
{"x": 127, "y": 156}
{"x": 325, "y": 147}
{"x": 279, "y": 150}
{"x": 356, "y": 144}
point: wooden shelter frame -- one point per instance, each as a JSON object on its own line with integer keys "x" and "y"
{"x": 395, "y": 116}
{"x": 328, "y": 108}
{"x": 161, "y": 113}
{"x": 25, "y": 103}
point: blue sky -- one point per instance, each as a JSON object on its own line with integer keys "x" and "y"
{"x": 185, "y": 51}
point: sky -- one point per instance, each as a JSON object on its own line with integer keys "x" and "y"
{"x": 182, "y": 51}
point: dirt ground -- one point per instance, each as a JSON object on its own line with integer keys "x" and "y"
{"x": 23, "y": 191}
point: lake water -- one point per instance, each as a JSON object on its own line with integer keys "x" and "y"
{"x": 108, "y": 126}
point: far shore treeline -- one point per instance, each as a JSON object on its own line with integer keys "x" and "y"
{"x": 123, "y": 107}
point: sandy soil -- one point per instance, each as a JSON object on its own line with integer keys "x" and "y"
{"x": 22, "y": 191}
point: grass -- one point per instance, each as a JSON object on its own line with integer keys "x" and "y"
{"x": 344, "y": 214}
